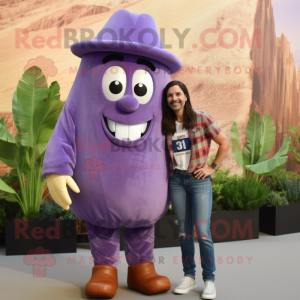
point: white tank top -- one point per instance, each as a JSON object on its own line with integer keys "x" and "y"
{"x": 181, "y": 144}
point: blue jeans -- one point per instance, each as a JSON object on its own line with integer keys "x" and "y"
{"x": 190, "y": 198}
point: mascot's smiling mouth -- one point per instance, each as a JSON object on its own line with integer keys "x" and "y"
{"x": 124, "y": 132}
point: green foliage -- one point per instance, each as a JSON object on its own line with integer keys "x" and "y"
{"x": 292, "y": 188}
{"x": 276, "y": 199}
{"x": 53, "y": 211}
{"x": 252, "y": 155}
{"x": 36, "y": 109}
{"x": 11, "y": 178}
{"x": 220, "y": 177}
{"x": 295, "y": 131}
{"x": 273, "y": 180}
{"x": 244, "y": 193}
{"x": 288, "y": 182}
{"x": 217, "y": 192}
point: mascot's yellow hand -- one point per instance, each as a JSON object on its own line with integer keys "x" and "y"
{"x": 58, "y": 189}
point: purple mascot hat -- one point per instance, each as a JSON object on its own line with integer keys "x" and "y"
{"x": 108, "y": 138}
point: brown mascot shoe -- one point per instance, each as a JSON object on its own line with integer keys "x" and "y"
{"x": 103, "y": 283}
{"x": 143, "y": 278}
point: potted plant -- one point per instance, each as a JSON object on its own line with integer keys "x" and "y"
{"x": 252, "y": 157}
{"x": 36, "y": 109}
{"x": 280, "y": 213}
{"x": 235, "y": 206}
{"x": 242, "y": 197}
{"x": 239, "y": 219}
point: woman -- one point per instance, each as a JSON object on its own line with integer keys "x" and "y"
{"x": 188, "y": 134}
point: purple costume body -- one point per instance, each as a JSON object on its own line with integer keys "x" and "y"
{"x": 123, "y": 183}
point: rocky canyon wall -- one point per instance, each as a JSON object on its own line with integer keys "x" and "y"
{"x": 275, "y": 88}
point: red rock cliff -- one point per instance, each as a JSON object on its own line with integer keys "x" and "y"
{"x": 275, "y": 85}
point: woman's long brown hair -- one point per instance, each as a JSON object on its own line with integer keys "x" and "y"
{"x": 169, "y": 117}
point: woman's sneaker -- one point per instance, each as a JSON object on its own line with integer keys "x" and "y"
{"x": 186, "y": 284}
{"x": 209, "y": 291}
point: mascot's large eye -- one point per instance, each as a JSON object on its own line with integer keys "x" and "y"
{"x": 142, "y": 86}
{"x": 114, "y": 83}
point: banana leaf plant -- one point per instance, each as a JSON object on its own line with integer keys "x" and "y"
{"x": 296, "y": 141}
{"x": 36, "y": 109}
{"x": 253, "y": 156}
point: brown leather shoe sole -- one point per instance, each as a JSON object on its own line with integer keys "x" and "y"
{"x": 144, "y": 279}
{"x": 103, "y": 283}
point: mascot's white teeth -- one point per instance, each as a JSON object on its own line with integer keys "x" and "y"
{"x": 126, "y": 132}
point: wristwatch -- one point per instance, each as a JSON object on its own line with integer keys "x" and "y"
{"x": 213, "y": 165}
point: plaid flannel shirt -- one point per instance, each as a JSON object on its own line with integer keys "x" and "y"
{"x": 201, "y": 135}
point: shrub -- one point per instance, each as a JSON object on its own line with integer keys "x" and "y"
{"x": 220, "y": 177}
{"x": 276, "y": 199}
{"x": 53, "y": 211}
{"x": 244, "y": 193}
{"x": 292, "y": 187}
{"x": 217, "y": 192}
{"x": 273, "y": 181}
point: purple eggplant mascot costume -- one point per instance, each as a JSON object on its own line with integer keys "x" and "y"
{"x": 108, "y": 147}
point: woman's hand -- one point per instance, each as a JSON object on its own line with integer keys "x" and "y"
{"x": 203, "y": 172}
